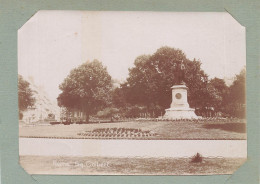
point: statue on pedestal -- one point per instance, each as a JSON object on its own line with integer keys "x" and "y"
{"x": 180, "y": 108}
{"x": 180, "y": 73}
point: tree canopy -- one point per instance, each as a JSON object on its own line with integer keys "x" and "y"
{"x": 150, "y": 80}
{"x": 152, "y": 76}
{"x": 237, "y": 89}
{"x": 220, "y": 93}
{"x": 25, "y": 95}
{"x": 87, "y": 88}
{"x": 236, "y": 102}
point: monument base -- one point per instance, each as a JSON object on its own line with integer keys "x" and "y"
{"x": 180, "y": 113}
{"x": 180, "y": 108}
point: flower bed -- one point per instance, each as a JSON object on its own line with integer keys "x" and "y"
{"x": 118, "y": 133}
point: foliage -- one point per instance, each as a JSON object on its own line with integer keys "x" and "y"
{"x": 197, "y": 158}
{"x": 116, "y": 133}
{"x": 87, "y": 88}
{"x": 119, "y": 97}
{"x": 133, "y": 111}
{"x": 237, "y": 89}
{"x": 108, "y": 112}
{"x": 25, "y": 95}
{"x": 220, "y": 93}
{"x": 216, "y": 95}
{"x": 150, "y": 80}
{"x": 65, "y": 114}
{"x": 237, "y": 96}
{"x": 147, "y": 90}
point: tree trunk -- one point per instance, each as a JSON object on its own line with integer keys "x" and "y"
{"x": 87, "y": 117}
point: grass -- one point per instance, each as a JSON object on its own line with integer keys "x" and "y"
{"x": 235, "y": 130}
{"x": 128, "y": 166}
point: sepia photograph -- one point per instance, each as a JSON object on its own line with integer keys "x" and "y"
{"x": 132, "y": 93}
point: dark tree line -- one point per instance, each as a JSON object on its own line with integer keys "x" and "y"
{"x": 148, "y": 87}
{"x": 147, "y": 90}
{"x": 150, "y": 80}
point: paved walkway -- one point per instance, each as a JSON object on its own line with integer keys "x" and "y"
{"x": 132, "y": 148}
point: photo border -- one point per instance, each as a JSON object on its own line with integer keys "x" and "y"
{"x": 14, "y": 13}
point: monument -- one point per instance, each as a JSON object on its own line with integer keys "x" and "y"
{"x": 180, "y": 108}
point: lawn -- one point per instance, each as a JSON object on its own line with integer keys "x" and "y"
{"x": 128, "y": 166}
{"x": 172, "y": 130}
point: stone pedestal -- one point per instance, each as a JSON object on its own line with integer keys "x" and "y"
{"x": 180, "y": 108}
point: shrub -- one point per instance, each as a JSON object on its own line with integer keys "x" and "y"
{"x": 66, "y": 123}
{"x": 196, "y": 158}
{"x": 54, "y": 123}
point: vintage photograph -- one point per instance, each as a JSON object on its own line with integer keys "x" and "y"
{"x": 132, "y": 93}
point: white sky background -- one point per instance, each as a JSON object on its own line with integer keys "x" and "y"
{"x": 52, "y": 43}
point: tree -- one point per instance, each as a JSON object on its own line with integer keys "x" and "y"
{"x": 150, "y": 80}
{"x": 87, "y": 88}
{"x": 220, "y": 94}
{"x": 237, "y": 89}
{"x": 237, "y": 96}
{"x": 25, "y": 95}
{"x": 119, "y": 97}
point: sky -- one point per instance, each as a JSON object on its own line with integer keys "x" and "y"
{"x": 52, "y": 43}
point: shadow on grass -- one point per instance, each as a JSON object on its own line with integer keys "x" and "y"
{"x": 231, "y": 127}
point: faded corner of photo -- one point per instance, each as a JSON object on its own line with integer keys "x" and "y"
{"x": 132, "y": 93}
